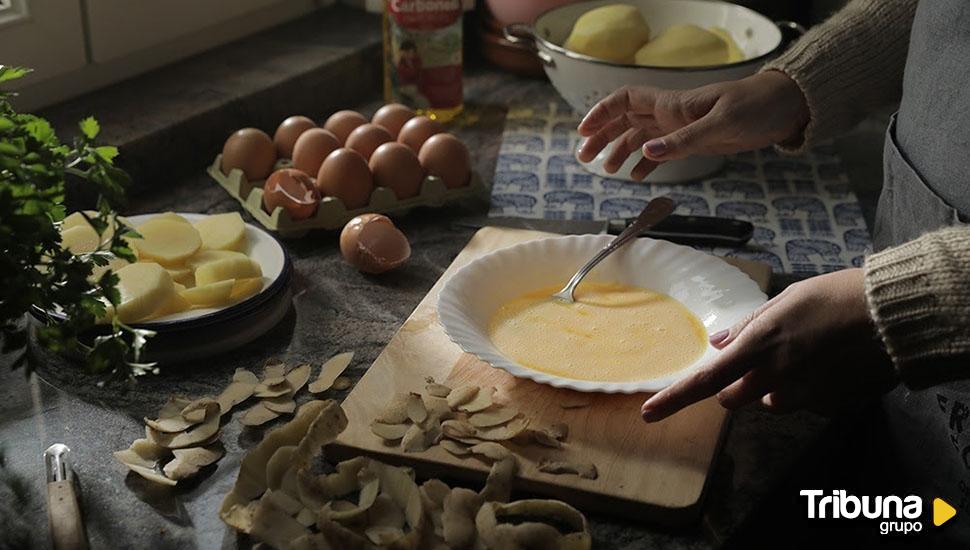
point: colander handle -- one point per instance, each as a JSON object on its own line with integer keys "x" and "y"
{"x": 522, "y": 34}
{"x": 790, "y": 31}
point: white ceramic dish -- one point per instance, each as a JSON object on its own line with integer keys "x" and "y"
{"x": 718, "y": 293}
{"x": 584, "y": 80}
{"x": 260, "y": 246}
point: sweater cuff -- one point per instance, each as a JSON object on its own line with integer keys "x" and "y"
{"x": 918, "y": 299}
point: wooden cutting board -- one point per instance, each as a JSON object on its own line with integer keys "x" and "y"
{"x": 656, "y": 471}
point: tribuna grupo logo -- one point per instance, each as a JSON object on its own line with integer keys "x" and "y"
{"x": 898, "y": 515}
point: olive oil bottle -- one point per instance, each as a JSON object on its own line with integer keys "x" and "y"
{"x": 423, "y": 56}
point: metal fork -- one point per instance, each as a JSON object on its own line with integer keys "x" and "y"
{"x": 652, "y": 214}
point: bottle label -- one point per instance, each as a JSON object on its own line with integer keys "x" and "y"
{"x": 425, "y": 57}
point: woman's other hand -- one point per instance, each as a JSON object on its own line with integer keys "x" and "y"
{"x": 722, "y": 118}
{"x": 813, "y": 346}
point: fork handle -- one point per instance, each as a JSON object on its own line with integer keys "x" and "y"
{"x": 655, "y": 211}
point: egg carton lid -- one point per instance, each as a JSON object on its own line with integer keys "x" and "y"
{"x": 331, "y": 213}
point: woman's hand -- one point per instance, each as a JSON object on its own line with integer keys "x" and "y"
{"x": 813, "y": 346}
{"x": 722, "y": 118}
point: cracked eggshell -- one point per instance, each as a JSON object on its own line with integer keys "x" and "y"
{"x": 373, "y": 244}
{"x": 293, "y": 191}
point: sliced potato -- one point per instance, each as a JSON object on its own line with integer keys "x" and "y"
{"x": 166, "y": 241}
{"x": 76, "y": 219}
{"x": 182, "y": 275}
{"x": 210, "y": 295}
{"x": 144, "y": 288}
{"x": 226, "y": 269}
{"x": 244, "y": 288}
{"x": 175, "y": 304}
{"x": 222, "y": 231}
{"x": 205, "y": 256}
{"x": 171, "y": 216}
{"x": 114, "y": 264}
{"x": 80, "y": 239}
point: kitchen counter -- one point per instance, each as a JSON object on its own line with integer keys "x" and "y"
{"x": 335, "y": 309}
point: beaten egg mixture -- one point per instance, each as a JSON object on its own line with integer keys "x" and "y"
{"x": 611, "y": 333}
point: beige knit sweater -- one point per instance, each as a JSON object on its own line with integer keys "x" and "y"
{"x": 918, "y": 293}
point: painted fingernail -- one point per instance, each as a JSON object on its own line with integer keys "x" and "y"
{"x": 718, "y": 337}
{"x": 655, "y": 147}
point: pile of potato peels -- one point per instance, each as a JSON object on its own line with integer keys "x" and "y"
{"x": 469, "y": 421}
{"x": 282, "y": 500}
{"x": 185, "y": 436}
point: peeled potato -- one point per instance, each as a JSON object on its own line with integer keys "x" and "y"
{"x": 77, "y": 219}
{"x": 210, "y": 295}
{"x": 175, "y": 304}
{"x": 614, "y": 33}
{"x": 204, "y": 256}
{"x": 222, "y": 231}
{"x": 183, "y": 275}
{"x": 734, "y": 52}
{"x": 244, "y": 288}
{"x": 171, "y": 216}
{"x": 166, "y": 241}
{"x": 684, "y": 46}
{"x": 114, "y": 264}
{"x": 80, "y": 239}
{"x": 144, "y": 288}
{"x": 225, "y": 269}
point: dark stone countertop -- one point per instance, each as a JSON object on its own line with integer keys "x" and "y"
{"x": 335, "y": 309}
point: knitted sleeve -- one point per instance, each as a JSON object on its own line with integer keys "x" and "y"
{"x": 919, "y": 298}
{"x": 848, "y": 66}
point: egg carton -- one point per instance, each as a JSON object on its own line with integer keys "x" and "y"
{"x": 331, "y": 212}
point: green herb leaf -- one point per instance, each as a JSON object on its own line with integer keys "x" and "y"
{"x": 90, "y": 127}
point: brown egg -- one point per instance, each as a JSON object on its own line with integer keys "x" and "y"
{"x": 342, "y": 123}
{"x": 293, "y": 190}
{"x": 367, "y": 137}
{"x": 372, "y": 244}
{"x": 396, "y": 167}
{"x": 288, "y": 132}
{"x": 446, "y": 157}
{"x": 392, "y": 116}
{"x": 312, "y": 147}
{"x": 417, "y": 130}
{"x": 250, "y": 150}
{"x": 344, "y": 174}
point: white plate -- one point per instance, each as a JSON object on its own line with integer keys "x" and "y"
{"x": 260, "y": 246}
{"x": 718, "y": 293}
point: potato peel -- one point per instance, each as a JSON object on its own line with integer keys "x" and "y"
{"x": 188, "y": 462}
{"x": 240, "y": 389}
{"x": 461, "y": 395}
{"x": 257, "y": 415}
{"x": 493, "y": 417}
{"x": 458, "y": 517}
{"x": 416, "y": 411}
{"x": 388, "y": 432}
{"x": 283, "y": 404}
{"x": 481, "y": 401}
{"x": 498, "y": 484}
{"x": 331, "y": 369}
{"x": 195, "y": 436}
{"x": 586, "y": 470}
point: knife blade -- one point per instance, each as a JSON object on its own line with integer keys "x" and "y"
{"x": 63, "y": 510}
{"x": 695, "y": 230}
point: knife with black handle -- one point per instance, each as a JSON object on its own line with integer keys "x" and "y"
{"x": 697, "y": 230}
{"x": 693, "y": 230}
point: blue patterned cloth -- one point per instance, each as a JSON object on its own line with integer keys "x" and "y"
{"x": 807, "y": 219}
